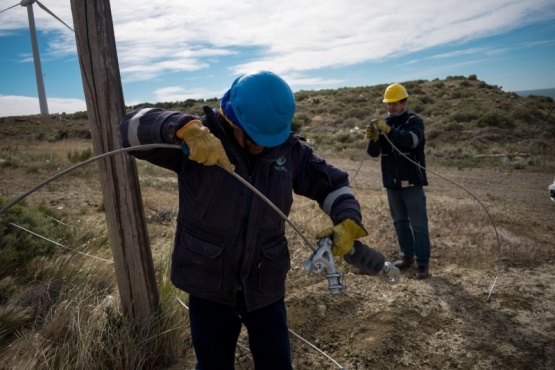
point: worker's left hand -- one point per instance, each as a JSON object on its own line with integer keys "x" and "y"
{"x": 343, "y": 236}
{"x": 382, "y": 126}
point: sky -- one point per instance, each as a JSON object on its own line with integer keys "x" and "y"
{"x": 178, "y": 50}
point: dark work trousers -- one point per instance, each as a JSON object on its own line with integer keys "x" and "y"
{"x": 410, "y": 219}
{"x": 215, "y": 329}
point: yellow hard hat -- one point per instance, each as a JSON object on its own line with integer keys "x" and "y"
{"x": 394, "y": 93}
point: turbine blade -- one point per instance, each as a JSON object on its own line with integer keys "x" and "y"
{"x": 52, "y": 14}
{"x": 13, "y": 6}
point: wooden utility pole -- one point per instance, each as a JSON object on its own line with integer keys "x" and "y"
{"x": 96, "y": 48}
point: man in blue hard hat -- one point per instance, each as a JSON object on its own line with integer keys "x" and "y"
{"x": 230, "y": 252}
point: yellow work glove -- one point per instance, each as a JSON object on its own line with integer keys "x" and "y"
{"x": 372, "y": 132}
{"x": 343, "y": 236}
{"x": 204, "y": 147}
{"x": 382, "y": 126}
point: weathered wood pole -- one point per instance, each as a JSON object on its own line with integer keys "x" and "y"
{"x": 127, "y": 229}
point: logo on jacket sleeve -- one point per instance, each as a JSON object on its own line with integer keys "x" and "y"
{"x": 280, "y": 164}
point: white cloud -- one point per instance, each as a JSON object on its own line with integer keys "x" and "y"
{"x": 156, "y": 37}
{"x": 180, "y": 93}
{"x": 11, "y": 105}
{"x": 292, "y": 38}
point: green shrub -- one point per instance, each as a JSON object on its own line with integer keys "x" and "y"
{"x": 454, "y": 126}
{"x": 461, "y": 116}
{"x": 417, "y": 107}
{"x": 438, "y": 85}
{"x": 301, "y": 95}
{"x": 355, "y": 112}
{"x": 522, "y": 114}
{"x": 76, "y": 156}
{"x": 494, "y": 119}
{"x": 17, "y": 246}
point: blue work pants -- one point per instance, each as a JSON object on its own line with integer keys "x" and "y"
{"x": 410, "y": 219}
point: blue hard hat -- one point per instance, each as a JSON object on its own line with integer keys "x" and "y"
{"x": 262, "y": 104}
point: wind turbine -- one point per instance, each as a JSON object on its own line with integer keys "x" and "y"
{"x": 35, "y": 46}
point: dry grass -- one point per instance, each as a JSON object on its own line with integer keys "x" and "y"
{"x": 68, "y": 315}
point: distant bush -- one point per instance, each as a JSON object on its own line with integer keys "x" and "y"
{"x": 438, "y": 85}
{"x": 335, "y": 108}
{"x": 76, "y": 156}
{"x": 343, "y": 137}
{"x": 425, "y": 99}
{"x": 417, "y": 107}
{"x": 464, "y": 116}
{"x": 301, "y": 119}
{"x": 356, "y": 112}
{"x": 78, "y": 116}
{"x": 417, "y": 91}
{"x": 523, "y": 114}
{"x": 454, "y": 126}
{"x": 494, "y": 119}
{"x": 301, "y": 95}
{"x": 61, "y": 135}
{"x": 352, "y": 122}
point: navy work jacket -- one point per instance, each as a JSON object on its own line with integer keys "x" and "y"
{"x": 407, "y": 134}
{"x": 227, "y": 239}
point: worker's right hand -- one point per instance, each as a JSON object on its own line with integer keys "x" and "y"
{"x": 204, "y": 147}
{"x": 372, "y": 132}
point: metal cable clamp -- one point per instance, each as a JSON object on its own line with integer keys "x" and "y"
{"x": 322, "y": 259}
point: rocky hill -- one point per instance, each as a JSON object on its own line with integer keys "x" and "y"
{"x": 466, "y": 120}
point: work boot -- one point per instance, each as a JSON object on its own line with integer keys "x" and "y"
{"x": 404, "y": 262}
{"x": 422, "y": 272}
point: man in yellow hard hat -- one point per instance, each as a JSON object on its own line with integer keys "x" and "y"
{"x": 400, "y": 140}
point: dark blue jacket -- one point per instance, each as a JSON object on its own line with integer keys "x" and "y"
{"x": 407, "y": 134}
{"x": 227, "y": 239}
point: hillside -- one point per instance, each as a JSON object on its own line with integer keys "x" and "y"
{"x": 466, "y": 120}
{"x": 487, "y": 305}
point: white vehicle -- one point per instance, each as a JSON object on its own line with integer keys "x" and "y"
{"x": 552, "y": 191}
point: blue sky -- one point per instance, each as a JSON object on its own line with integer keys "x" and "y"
{"x": 171, "y": 51}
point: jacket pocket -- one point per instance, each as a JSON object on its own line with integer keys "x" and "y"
{"x": 199, "y": 262}
{"x": 273, "y": 265}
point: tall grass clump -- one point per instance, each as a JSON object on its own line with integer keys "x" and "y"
{"x": 17, "y": 246}
{"x": 59, "y": 307}
{"x": 77, "y": 156}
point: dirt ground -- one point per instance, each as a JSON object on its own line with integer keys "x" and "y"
{"x": 444, "y": 322}
{"x": 471, "y": 313}
{"x": 474, "y": 312}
